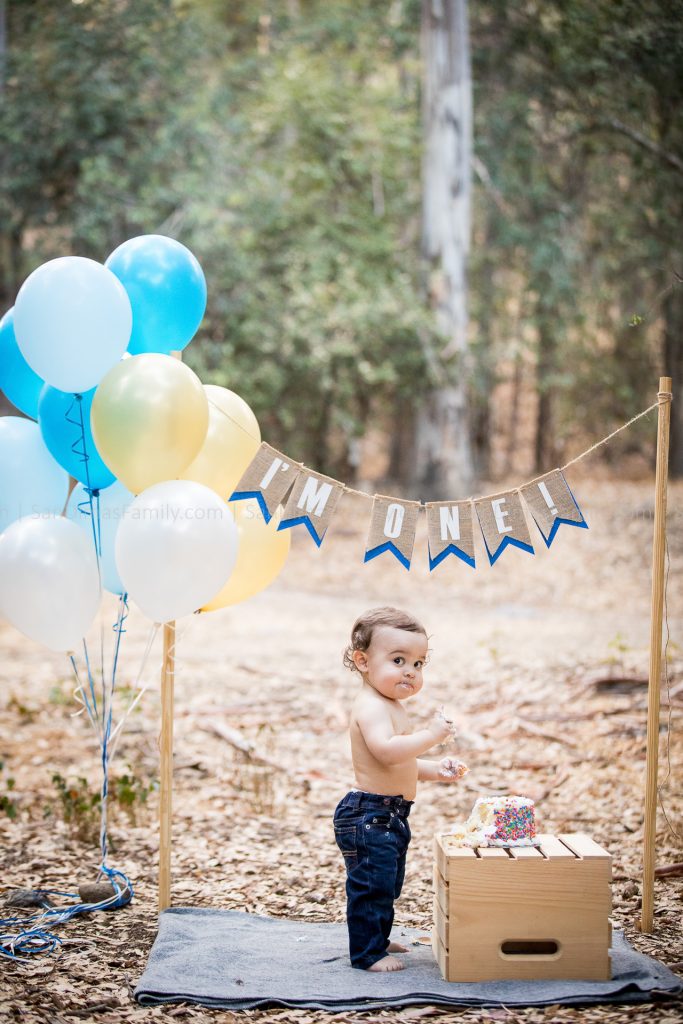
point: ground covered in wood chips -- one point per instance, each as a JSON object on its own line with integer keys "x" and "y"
{"x": 544, "y": 660}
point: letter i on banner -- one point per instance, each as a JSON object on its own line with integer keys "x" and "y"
{"x": 392, "y": 528}
{"x": 449, "y": 525}
{"x": 268, "y": 478}
{"x": 551, "y": 504}
{"x": 503, "y": 524}
{"x": 312, "y": 502}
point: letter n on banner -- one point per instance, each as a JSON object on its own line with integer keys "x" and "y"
{"x": 267, "y": 478}
{"x": 392, "y": 528}
{"x": 449, "y": 525}
{"x": 503, "y": 524}
{"x": 312, "y": 502}
{"x": 552, "y": 503}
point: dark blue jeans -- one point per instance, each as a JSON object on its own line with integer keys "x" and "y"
{"x": 373, "y": 833}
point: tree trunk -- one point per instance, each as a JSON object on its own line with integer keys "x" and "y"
{"x": 442, "y": 438}
{"x": 673, "y": 367}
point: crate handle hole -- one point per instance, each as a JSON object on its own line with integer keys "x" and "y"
{"x": 541, "y": 948}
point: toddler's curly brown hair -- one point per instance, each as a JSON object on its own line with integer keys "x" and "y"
{"x": 368, "y": 622}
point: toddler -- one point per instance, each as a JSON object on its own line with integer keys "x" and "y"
{"x": 389, "y": 649}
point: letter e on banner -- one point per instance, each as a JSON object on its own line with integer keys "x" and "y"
{"x": 502, "y": 523}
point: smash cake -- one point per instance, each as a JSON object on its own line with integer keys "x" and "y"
{"x": 496, "y": 821}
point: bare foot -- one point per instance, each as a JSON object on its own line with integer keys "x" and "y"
{"x": 397, "y": 947}
{"x": 387, "y": 963}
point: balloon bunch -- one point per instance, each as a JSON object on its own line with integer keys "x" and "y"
{"x": 86, "y": 352}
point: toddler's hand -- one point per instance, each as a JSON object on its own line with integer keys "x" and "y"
{"x": 450, "y": 769}
{"x": 439, "y": 728}
{"x": 448, "y": 720}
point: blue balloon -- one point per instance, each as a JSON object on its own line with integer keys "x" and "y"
{"x": 60, "y": 416}
{"x": 31, "y": 482}
{"x": 167, "y": 291}
{"x": 21, "y": 385}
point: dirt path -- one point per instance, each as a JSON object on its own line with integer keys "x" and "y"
{"x": 528, "y": 653}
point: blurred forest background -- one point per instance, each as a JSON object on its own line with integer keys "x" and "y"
{"x": 282, "y": 141}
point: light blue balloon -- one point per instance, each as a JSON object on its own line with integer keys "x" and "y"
{"x": 72, "y": 321}
{"x": 109, "y": 509}
{"x": 31, "y": 482}
{"x": 59, "y": 418}
{"x": 167, "y": 291}
{"x": 21, "y": 385}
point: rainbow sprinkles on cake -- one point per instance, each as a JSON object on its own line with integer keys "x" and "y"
{"x": 497, "y": 821}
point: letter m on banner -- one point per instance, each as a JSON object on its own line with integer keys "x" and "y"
{"x": 312, "y": 502}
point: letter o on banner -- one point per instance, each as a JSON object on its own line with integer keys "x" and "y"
{"x": 393, "y": 524}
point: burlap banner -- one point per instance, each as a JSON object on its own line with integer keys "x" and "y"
{"x": 502, "y": 523}
{"x": 392, "y": 528}
{"x": 312, "y": 503}
{"x": 450, "y": 530}
{"x": 313, "y": 500}
{"x": 268, "y": 478}
{"x": 552, "y": 503}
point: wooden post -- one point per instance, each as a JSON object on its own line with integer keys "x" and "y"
{"x": 653, "y": 693}
{"x": 166, "y": 766}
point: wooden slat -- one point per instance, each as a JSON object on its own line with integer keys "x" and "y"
{"x": 441, "y": 891}
{"x": 440, "y": 922}
{"x": 523, "y": 852}
{"x": 552, "y": 848}
{"x": 491, "y": 852}
{"x": 583, "y": 846}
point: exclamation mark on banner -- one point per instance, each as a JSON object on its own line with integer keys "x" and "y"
{"x": 546, "y": 495}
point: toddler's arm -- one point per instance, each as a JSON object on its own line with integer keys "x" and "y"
{"x": 448, "y": 769}
{"x": 390, "y": 749}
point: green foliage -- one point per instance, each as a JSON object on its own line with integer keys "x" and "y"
{"x": 8, "y": 804}
{"x": 282, "y": 142}
{"x": 79, "y": 807}
{"x": 79, "y": 804}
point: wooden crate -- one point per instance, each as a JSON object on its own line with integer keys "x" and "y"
{"x": 528, "y": 912}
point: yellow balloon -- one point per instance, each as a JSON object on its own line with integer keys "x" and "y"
{"x": 149, "y": 419}
{"x": 231, "y": 442}
{"x": 261, "y": 555}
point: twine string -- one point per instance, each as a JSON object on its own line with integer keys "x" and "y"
{"x": 662, "y": 397}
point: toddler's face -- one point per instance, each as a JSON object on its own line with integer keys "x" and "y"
{"x": 393, "y": 662}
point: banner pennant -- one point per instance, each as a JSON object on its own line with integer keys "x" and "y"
{"x": 392, "y": 528}
{"x": 450, "y": 530}
{"x": 312, "y": 503}
{"x": 268, "y": 478}
{"x": 552, "y": 504}
{"x": 503, "y": 525}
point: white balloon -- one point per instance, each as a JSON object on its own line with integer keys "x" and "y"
{"x": 72, "y": 322}
{"x": 31, "y": 481}
{"x": 109, "y": 509}
{"x": 49, "y": 584}
{"x": 175, "y": 548}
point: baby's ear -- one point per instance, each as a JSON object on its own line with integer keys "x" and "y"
{"x": 360, "y": 660}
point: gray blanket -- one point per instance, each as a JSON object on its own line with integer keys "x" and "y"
{"x": 232, "y": 960}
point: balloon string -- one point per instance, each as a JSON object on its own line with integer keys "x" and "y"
{"x": 233, "y": 420}
{"x": 80, "y": 449}
{"x": 115, "y": 736}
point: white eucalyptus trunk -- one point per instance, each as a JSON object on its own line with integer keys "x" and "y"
{"x": 442, "y": 443}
